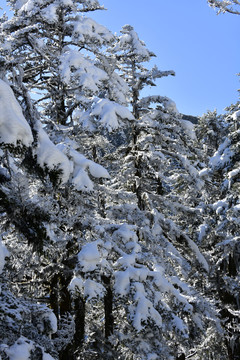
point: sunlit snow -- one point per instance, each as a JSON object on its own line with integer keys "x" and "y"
{"x": 13, "y": 125}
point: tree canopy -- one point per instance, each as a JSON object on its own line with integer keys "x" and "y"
{"x": 119, "y": 219}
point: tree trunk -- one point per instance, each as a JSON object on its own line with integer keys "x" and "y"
{"x": 53, "y": 295}
{"x": 79, "y": 308}
{"x": 64, "y": 295}
{"x": 108, "y": 307}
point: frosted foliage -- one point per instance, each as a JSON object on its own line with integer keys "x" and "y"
{"x": 189, "y": 129}
{"x": 87, "y": 75}
{"x": 89, "y": 288}
{"x": 130, "y": 41}
{"x": 80, "y": 162}
{"x": 222, "y": 156}
{"x": 76, "y": 284}
{"x": 119, "y": 89}
{"x": 49, "y": 155}
{"x": 131, "y": 281}
{"x": 236, "y": 115}
{"x": 126, "y": 233}
{"x": 138, "y": 281}
{"x": 22, "y": 350}
{"x": 80, "y": 178}
{"x": 82, "y": 182}
{"x": 202, "y": 231}
{"x": 165, "y": 286}
{"x": 192, "y": 171}
{"x": 144, "y": 309}
{"x": 89, "y": 257}
{"x": 49, "y": 14}
{"x": 3, "y": 254}
{"x": 86, "y": 28}
{"x": 233, "y": 173}
{"x": 168, "y": 104}
{"x": 198, "y": 254}
{"x": 90, "y": 4}
{"x": 50, "y": 317}
{"x": 13, "y": 125}
{"x": 127, "y": 247}
{"x": 220, "y": 205}
{"x": 72, "y": 164}
{"x": 135, "y": 281}
{"x": 110, "y": 114}
{"x": 231, "y": 176}
{"x": 92, "y": 289}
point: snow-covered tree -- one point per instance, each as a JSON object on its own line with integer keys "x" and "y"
{"x": 142, "y": 215}
{"x": 131, "y": 53}
{"x": 219, "y": 232}
{"x": 161, "y": 142}
{"x": 26, "y": 145}
{"x": 35, "y": 212}
{"x": 53, "y": 47}
{"x": 99, "y": 268}
{"x": 210, "y": 131}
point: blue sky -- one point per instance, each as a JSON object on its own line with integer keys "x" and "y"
{"x": 188, "y": 37}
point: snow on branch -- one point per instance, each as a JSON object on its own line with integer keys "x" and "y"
{"x": 168, "y": 104}
{"x": 3, "y": 254}
{"x": 222, "y": 156}
{"x": 192, "y": 171}
{"x": 86, "y": 28}
{"x": 80, "y": 166}
{"x": 23, "y": 348}
{"x": 155, "y": 73}
{"x": 31, "y": 6}
{"x": 110, "y": 114}
{"x": 130, "y": 40}
{"x": 13, "y": 126}
{"x": 177, "y": 233}
{"x": 74, "y": 166}
{"x": 86, "y": 74}
{"x": 50, "y": 156}
{"x": 90, "y": 5}
{"x": 149, "y": 76}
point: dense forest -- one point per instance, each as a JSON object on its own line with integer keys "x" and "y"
{"x": 120, "y": 221}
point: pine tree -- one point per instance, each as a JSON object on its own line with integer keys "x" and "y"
{"x": 42, "y": 225}
{"x": 221, "y": 227}
{"x": 113, "y": 260}
{"x": 210, "y": 129}
{"x": 44, "y": 41}
{"x": 138, "y": 212}
{"x": 222, "y": 230}
{"x": 131, "y": 53}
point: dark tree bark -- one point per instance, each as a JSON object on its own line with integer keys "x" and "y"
{"x": 64, "y": 295}
{"x": 108, "y": 306}
{"x": 79, "y": 307}
{"x": 53, "y": 295}
{"x": 181, "y": 357}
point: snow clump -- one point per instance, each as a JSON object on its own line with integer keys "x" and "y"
{"x": 13, "y": 126}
